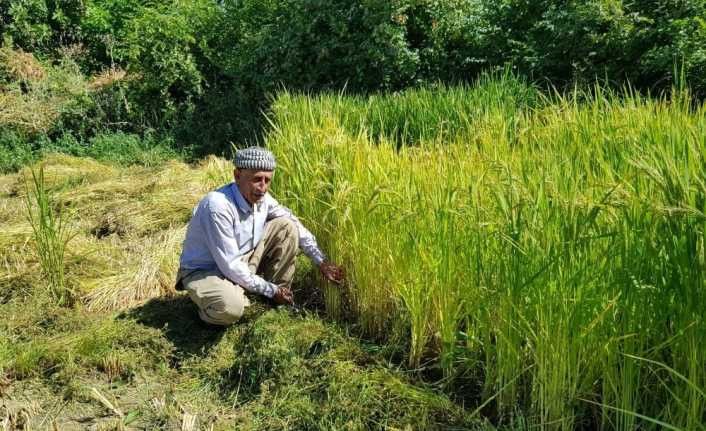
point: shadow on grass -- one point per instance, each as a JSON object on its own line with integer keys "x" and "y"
{"x": 179, "y": 321}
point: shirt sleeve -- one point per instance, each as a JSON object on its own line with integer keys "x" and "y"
{"x": 220, "y": 237}
{"x": 307, "y": 241}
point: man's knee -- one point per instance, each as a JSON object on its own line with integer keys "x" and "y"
{"x": 286, "y": 226}
{"x": 228, "y": 315}
{"x": 220, "y": 302}
{"x": 230, "y": 308}
{"x": 233, "y": 308}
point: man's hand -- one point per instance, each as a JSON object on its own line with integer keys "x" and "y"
{"x": 283, "y": 296}
{"x": 331, "y": 272}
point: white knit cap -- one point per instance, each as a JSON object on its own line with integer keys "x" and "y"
{"x": 256, "y": 158}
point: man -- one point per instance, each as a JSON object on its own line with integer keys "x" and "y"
{"x": 240, "y": 239}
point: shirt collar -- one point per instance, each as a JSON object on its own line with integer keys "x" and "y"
{"x": 240, "y": 200}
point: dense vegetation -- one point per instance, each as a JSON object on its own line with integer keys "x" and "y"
{"x": 547, "y": 252}
{"x": 197, "y": 73}
{"x": 132, "y": 353}
{"x": 529, "y": 239}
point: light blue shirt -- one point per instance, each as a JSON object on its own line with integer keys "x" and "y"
{"x": 225, "y": 227}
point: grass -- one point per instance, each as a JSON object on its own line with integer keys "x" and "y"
{"x": 51, "y": 236}
{"x": 308, "y": 376}
{"x": 539, "y": 257}
{"x": 530, "y": 246}
{"x": 131, "y": 353}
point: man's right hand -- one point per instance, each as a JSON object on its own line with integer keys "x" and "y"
{"x": 283, "y": 296}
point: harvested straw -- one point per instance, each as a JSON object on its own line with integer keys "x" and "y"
{"x": 21, "y": 65}
{"x": 147, "y": 273}
{"x": 129, "y": 225}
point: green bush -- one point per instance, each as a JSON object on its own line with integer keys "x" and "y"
{"x": 42, "y": 25}
{"x": 15, "y": 151}
{"x": 104, "y": 24}
{"x": 641, "y": 41}
{"x": 316, "y": 44}
{"x": 162, "y": 48}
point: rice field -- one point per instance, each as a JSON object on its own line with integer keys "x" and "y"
{"x": 539, "y": 257}
{"x": 128, "y": 352}
{"x": 544, "y": 252}
{"x": 124, "y": 226}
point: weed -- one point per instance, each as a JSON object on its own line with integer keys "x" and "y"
{"x": 48, "y": 219}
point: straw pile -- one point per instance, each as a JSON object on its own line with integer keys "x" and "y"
{"x": 127, "y": 225}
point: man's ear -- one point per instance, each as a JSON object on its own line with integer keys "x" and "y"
{"x": 236, "y": 175}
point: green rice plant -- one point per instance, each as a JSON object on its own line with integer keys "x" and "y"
{"x": 546, "y": 257}
{"x": 559, "y": 234}
{"x": 52, "y": 234}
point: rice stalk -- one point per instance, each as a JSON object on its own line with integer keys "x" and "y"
{"x": 51, "y": 236}
{"x": 509, "y": 230}
{"x": 150, "y": 273}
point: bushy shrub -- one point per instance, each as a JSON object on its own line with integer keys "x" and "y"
{"x": 315, "y": 44}
{"x": 643, "y": 42}
{"x": 104, "y": 24}
{"x": 15, "y": 151}
{"x": 162, "y": 49}
{"x": 42, "y": 25}
{"x": 445, "y": 36}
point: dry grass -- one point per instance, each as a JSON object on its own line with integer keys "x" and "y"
{"x": 21, "y": 66}
{"x": 106, "y": 78}
{"x": 129, "y": 222}
{"x": 33, "y": 95}
{"x": 153, "y": 266}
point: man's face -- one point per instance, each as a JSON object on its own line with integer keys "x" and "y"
{"x": 253, "y": 184}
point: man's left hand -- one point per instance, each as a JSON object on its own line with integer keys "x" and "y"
{"x": 331, "y": 272}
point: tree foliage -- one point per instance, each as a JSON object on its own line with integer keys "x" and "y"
{"x": 195, "y": 63}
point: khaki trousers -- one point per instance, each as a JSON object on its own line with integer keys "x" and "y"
{"x": 220, "y": 301}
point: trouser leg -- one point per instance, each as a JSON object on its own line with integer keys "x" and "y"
{"x": 274, "y": 256}
{"x": 219, "y": 301}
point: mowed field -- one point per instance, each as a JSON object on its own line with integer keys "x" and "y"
{"x": 117, "y": 348}
{"x": 537, "y": 258}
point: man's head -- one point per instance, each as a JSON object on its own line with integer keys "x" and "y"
{"x": 254, "y": 169}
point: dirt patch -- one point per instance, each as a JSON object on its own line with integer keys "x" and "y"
{"x": 110, "y": 224}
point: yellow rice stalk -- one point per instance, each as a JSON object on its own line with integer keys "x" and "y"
{"x": 153, "y": 276}
{"x": 130, "y": 223}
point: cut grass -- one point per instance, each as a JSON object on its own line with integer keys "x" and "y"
{"x": 131, "y": 352}
{"x": 128, "y": 226}
{"x": 303, "y": 374}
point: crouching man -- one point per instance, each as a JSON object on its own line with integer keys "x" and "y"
{"x": 240, "y": 239}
